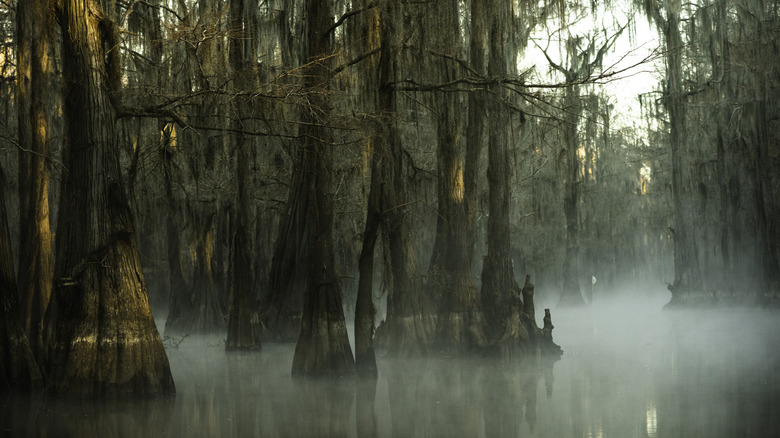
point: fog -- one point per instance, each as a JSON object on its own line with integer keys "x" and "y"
{"x": 629, "y": 369}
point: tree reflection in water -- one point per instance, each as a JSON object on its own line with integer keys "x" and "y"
{"x": 638, "y": 372}
{"x": 252, "y": 394}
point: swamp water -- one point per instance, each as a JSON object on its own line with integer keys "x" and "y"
{"x": 629, "y": 369}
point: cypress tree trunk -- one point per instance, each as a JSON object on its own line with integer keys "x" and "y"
{"x": 282, "y": 300}
{"x": 479, "y": 50}
{"x": 571, "y": 294}
{"x": 281, "y": 304}
{"x": 18, "y": 368}
{"x": 742, "y": 117}
{"x": 500, "y": 292}
{"x": 175, "y": 165}
{"x": 35, "y": 23}
{"x": 179, "y": 307}
{"x": 194, "y": 307}
{"x": 243, "y": 325}
{"x": 409, "y": 322}
{"x": 323, "y": 346}
{"x": 204, "y": 303}
{"x": 687, "y": 275}
{"x": 243, "y": 330}
{"x": 101, "y": 336}
{"x": 407, "y": 327}
{"x": 208, "y": 315}
{"x": 459, "y": 326}
{"x": 365, "y": 359}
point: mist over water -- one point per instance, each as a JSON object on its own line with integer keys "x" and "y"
{"x": 630, "y": 369}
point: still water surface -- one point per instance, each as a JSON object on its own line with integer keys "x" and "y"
{"x": 629, "y": 370}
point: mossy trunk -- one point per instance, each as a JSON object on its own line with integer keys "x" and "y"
{"x": 688, "y": 283}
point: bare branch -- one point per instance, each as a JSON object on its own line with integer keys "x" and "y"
{"x": 340, "y": 68}
{"x": 18, "y": 145}
{"x": 346, "y": 15}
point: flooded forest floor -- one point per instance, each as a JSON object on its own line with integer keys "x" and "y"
{"x": 629, "y": 369}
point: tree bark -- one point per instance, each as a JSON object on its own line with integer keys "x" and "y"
{"x": 323, "y": 345}
{"x": 282, "y": 302}
{"x": 243, "y": 324}
{"x": 407, "y": 326}
{"x": 571, "y": 295}
{"x": 687, "y": 274}
{"x": 35, "y": 23}
{"x": 208, "y": 313}
{"x": 479, "y": 51}
{"x": 365, "y": 359}
{"x": 500, "y": 292}
{"x": 459, "y": 325}
{"x": 179, "y": 306}
{"x": 741, "y": 117}
{"x": 101, "y": 337}
{"x": 18, "y": 369}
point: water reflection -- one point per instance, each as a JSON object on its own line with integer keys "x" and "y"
{"x": 633, "y": 370}
{"x": 651, "y": 421}
{"x": 365, "y": 396}
{"x": 638, "y": 372}
{"x": 39, "y": 416}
